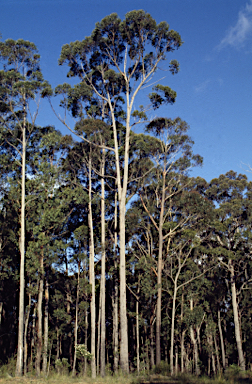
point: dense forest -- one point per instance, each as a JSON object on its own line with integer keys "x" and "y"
{"x": 111, "y": 255}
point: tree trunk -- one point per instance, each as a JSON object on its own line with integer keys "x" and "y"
{"x": 98, "y": 338}
{"x": 236, "y": 318}
{"x": 223, "y": 354}
{"x": 195, "y": 345}
{"x": 26, "y": 333}
{"x": 217, "y": 354}
{"x": 46, "y": 321}
{"x": 176, "y": 360}
{"x": 173, "y": 324}
{"x": 124, "y": 361}
{"x": 76, "y": 320}
{"x": 182, "y": 334}
{"x": 115, "y": 297}
{"x": 58, "y": 343}
{"x": 137, "y": 331}
{"x": 39, "y": 334}
{"x": 159, "y": 277}
{"x": 152, "y": 344}
{"x": 103, "y": 265}
{"x": 33, "y": 336}
{"x": 91, "y": 272}
{"x": 20, "y": 349}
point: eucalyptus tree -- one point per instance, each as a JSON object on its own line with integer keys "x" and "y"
{"x": 113, "y": 65}
{"x": 183, "y": 262}
{"x": 172, "y": 157}
{"x": 48, "y": 210}
{"x": 21, "y": 83}
{"x": 231, "y": 240}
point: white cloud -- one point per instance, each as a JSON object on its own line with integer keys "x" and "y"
{"x": 237, "y": 35}
{"x": 202, "y": 86}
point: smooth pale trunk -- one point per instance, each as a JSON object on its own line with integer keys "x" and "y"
{"x": 152, "y": 344}
{"x": 137, "y": 332}
{"x": 98, "y": 338}
{"x": 91, "y": 275}
{"x": 173, "y": 322}
{"x": 195, "y": 345}
{"x": 26, "y": 333}
{"x": 76, "y": 320}
{"x": 124, "y": 362}
{"x": 217, "y": 354}
{"x": 33, "y": 336}
{"x": 39, "y": 334}
{"x": 223, "y": 354}
{"x": 159, "y": 277}
{"x": 115, "y": 298}
{"x": 20, "y": 349}
{"x": 103, "y": 265}
{"x": 46, "y": 326}
{"x": 182, "y": 335}
{"x": 236, "y": 319}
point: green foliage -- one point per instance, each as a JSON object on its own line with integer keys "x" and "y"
{"x": 62, "y": 366}
{"x": 82, "y": 352}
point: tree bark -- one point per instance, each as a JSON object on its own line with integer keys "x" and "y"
{"x": 46, "y": 327}
{"x": 236, "y": 318}
{"x": 98, "y": 337}
{"x": 195, "y": 345}
{"x": 173, "y": 324}
{"x": 91, "y": 271}
{"x": 103, "y": 265}
{"x": 20, "y": 349}
{"x": 26, "y": 333}
{"x": 115, "y": 296}
{"x": 159, "y": 277}
{"x": 76, "y": 320}
{"x": 223, "y": 354}
{"x": 40, "y": 300}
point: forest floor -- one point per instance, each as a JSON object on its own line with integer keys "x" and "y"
{"x": 152, "y": 379}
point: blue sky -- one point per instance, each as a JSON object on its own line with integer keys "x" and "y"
{"x": 214, "y": 85}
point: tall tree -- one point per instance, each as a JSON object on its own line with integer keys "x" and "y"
{"x": 21, "y": 83}
{"x": 172, "y": 157}
{"x": 114, "y": 64}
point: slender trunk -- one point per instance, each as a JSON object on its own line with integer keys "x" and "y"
{"x": 176, "y": 360}
{"x": 236, "y": 319}
{"x": 58, "y": 343}
{"x": 137, "y": 331}
{"x": 159, "y": 277}
{"x": 103, "y": 265}
{"x": 98, "y": 338}
{"x": 40, "y": 300}
{"x": 223, "y": 354}
{"x": 122, "y": 192}
{"x": 26, "y": 333}
{"x": 182, "y": 350}
{"x": 49, "y": 358}
{"x": 195, "y": 345}
{"x": 33, "y": 336}
{"x": 91, "y": 273}
{"x": 146, "y": 348}
{"x": 46, "y": 327}
{"x": 173, "y": 323}
{"x": 68, "y": 308}
{"x": 182, "y": 334}
{"x": 124, "y": 361}
{"x": 76, "y": 320}
{"x": 152, "y": 344}
{"x": 217, "y": 354}
{"x": 85, "y": 342}
{"x": 115, "y": 300}
{"x": 20, "y": 349}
